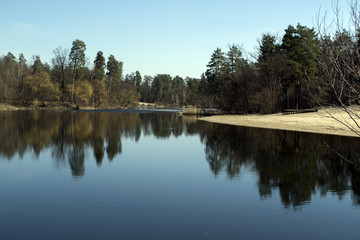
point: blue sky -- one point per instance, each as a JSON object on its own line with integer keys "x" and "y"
{"x": 155, "y": 36}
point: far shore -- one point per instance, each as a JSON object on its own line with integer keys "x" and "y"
{"x": 67, "y": 107}
{"x": 326, "y": 121}
{"x": 315, "y": 122}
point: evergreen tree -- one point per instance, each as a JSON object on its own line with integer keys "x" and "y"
{"x": 77, "y": 62}
{"x": 77, "y": 55}
{"x": 22, "y": 71}
{"x": 99, "y": 68}
{"x": 268, "y": 46}
{"x": 118, "y": 92}
{"x": 22, "y": 67}
{"x": 160, "y": 87}
{"x": 9, "y": 77}
{"x": 216, "y": 64}
{"x": 137, "y": 81}
{"x": 192, "y": 90}
{"x": 146, "y": 89}
{"x": 234, "y": 60}
{"x": 37, "y": 66}
{"x": 273, "y": 73}
{"x": 178, "y": 88}
{"x": 302, "y": 48}
{"x": 215, "y": 75}
{"x": 114, "y": 74}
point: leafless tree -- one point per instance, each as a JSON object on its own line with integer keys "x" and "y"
{"x": 340, "y": 62}
{"x": 60, "y": 64}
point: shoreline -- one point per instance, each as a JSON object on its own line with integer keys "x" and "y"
{"x": 316, "y": 122}
{"x": 69, "y": 107}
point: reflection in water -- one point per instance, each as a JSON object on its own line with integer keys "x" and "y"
{"x": 297, "y": 165}
{"x": 69, "y": 133}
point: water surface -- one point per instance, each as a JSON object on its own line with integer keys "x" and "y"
{"x": 156, "y": 175}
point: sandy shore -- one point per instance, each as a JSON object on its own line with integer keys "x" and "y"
{"x": 315, "y": 122}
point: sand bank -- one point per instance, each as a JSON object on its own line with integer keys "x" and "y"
{"x": 315, "y": 122}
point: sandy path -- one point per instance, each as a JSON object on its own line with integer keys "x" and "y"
{"x": 316, "y": 122}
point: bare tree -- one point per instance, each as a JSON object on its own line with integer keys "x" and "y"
{"x": 340, "y": 63}
{"x": 60, "y": 64}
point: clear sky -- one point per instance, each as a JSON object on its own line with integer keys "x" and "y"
{"x": 176, "y": 37}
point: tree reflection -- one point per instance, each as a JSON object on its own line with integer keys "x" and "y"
{"x": 76, "y": 160}
{"x": 98, "y": 148}
{"x": 297, "y": 165}
{"x": 68, "y": 134}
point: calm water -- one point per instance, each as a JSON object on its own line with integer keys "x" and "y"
{"x": 122, "y": 175}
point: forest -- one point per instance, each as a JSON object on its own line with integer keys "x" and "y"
{"x": 303, "y": 68}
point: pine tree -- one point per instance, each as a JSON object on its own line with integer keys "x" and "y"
{"x": 77, "y": 61}
{"x": 302, "y": 47}
{"x": 99, "y": 68}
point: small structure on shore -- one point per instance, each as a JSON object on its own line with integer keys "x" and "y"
{"x": 201, "y": 111}
{"x": 292, "y": 111}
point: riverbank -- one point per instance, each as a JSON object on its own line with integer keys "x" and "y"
{"x": 61, "y": 107}
{"x": 7, "y": 107}
{"x": 69, "y": 107}
{"x": 56, "y": 107}
{"x": 314, "y": 122}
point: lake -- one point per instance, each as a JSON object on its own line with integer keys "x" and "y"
{"x": 157, "y": 175}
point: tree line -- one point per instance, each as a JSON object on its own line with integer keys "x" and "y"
{"x": 300, "y": 69}
{"x": 68, "y": 80}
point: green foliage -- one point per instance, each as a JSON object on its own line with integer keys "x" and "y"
{"x": 9, "y": 76}
{"x": 228, "y": 80}
{"x": 9, "y": 58}
{"x": 99, "y": 69}
{"x": 77, "y": 54}
{"x": 37, "y": 66}
{"x": 214, "y": 72}
{"x": 234, "y": 60}
{"x": 302, "y": 48}
{"x": 177, "y": 91}
{"x": 268, "y": 47}
{"x": 146, "y": 89}
{"x": 77, "y": 63}
{"x": 192, "y": 91}
{"x": 274, "y": 82}
{"x": 160, "y": 87}
{"x": 113, "y": 74}
{"x": 137, "y": 81}
{"x": 22, "y": 68}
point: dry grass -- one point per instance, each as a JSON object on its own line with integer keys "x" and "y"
{"x": 7, "y": 107}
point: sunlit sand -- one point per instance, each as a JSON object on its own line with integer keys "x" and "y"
{"x": 315, "y": 122}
